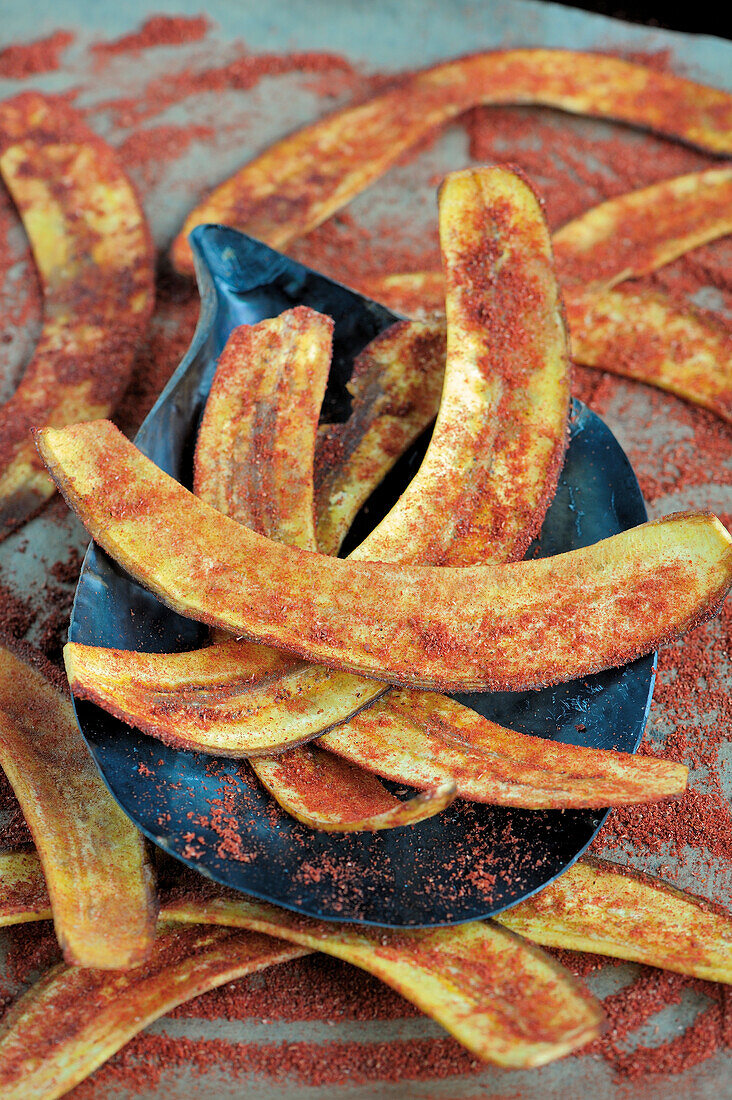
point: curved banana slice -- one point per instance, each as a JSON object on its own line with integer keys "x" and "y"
{"x": 508, "y": 1003}
{"x": 300, "y": 181}
{"x": 94, "y": 859}
{"x": 233, "y": 698}
{"x": 425, "y": 739}
{"x": 94, "y": 256}
{"x": 254, "y": 454}
{"x": 329, "y": 793}
{"x": 23, "y": 892}
{"x": 640, "y": 231}
{"x": 492, "y": 464}
{"x": 644, "y": 336}
{"x": 502, "y": 627}
{"x": 616, "y": 911}
{"x": 396, "y": 385}
{"x": 73, "y": 1020}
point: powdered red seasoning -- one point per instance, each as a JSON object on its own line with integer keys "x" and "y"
{"x": 159, "y": 30}
{"x": 18, "y": 62}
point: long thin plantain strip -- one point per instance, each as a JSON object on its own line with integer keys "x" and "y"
{"x": 645, "y": 337}
{"x": 640, "y": 231}
{"x": 612, "y": 910}
{"x": 93, "y": 858}
{"x": 494, "y": 458}
{"x": 261, "y": 421}
{"x": 95, "y": 260}
{"x": 334, "y": 795}
{"x": 425, "y": 739}
{"x": 234, "y": 697}
{"x": 73, "y": 1019}
{"x": 395, "y": 385}
{"x": 503, "y": 1000}
{"x": 482, "y": 628}
{"x": 263, "y": 411}
{"x": 301, "y": 180}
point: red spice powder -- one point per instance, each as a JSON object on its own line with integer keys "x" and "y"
{"x": 18, "y": 62}
{"x": 242, "y": 73}
{"x": 158, "y": 30}
{"x": 32, "y": 949}
{"x": 150, "y": 151}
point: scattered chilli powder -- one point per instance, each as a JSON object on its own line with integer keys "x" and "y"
{"x": 18, "y": 62}
{"x": 243, "y": 73}
{"x": 158, "y": 30}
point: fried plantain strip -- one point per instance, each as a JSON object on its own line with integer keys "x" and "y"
{"x": 640, "y": 231}
{"x": 643, "y": 336}
{"x": 482, "y": 628}
{"x": 494, "y": 458}
{"x": 396, "y": 385}
{"x": 73, "y": 1019}
{"x": 326, "y": 792}
{"x": 424, "y": 739}
{"x": 260, "y": 424}
{"x": 234, "y": 698}
{"x": 263, "y": 411}
{"x": 94, "y": 256}
{"x": 507, "y": 1003}
{"x": 617, "y": 911}
{"x": 93, "y": 858}
{"x": 301, "y": 180}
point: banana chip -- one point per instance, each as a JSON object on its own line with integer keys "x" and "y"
{"x": 93, "y": 857}
{"x": 501, "y": 627}
{"x": 395, "y": 385}
{"x": 95, "y": 259}
{"x": 300, "y": 181}
{"x": 644, "y": 336}
{"x": 612, "y": 910}
{"x": 74, "y": 1019}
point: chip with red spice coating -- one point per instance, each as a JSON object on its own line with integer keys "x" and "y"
{"x": 94, "y": 255}
{"x": 94, "y": 859}
{"x": 300, "y": 181}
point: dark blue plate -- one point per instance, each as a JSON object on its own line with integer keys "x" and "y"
{"x": 210, "y": 813}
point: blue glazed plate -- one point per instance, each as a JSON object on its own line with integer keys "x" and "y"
{"x": 471, "y": 861}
